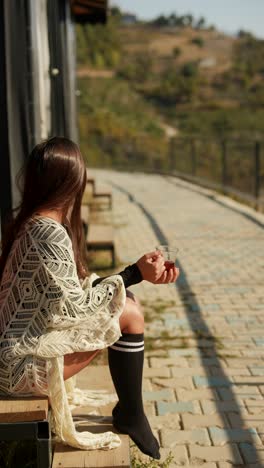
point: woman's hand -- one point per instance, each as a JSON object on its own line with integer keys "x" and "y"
{"x": 153, "y": 268}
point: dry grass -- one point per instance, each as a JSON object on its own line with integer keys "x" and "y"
{"x": 161, "y": 43}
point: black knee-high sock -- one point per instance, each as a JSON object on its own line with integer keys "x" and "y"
{"x": 126, "y": 358}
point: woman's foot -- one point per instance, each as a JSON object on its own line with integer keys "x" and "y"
{"x": 138, "y": 428}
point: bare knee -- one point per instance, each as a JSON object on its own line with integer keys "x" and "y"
{"x": 132, "y": 319}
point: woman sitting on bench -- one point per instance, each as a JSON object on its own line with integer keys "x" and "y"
{"x": 54, "y": 318}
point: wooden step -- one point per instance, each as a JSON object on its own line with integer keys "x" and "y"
{"x": 68, "y": 457}
{"x": 94, "y": 378}
{"x": 23, "y": 409}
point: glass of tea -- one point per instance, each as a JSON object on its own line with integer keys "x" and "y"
{"x": 170, "y": 255}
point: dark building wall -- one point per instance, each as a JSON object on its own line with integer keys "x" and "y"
{"x": 62, "y": 66}
{"x": 27, "y": 97}
{"x": 37, "y": 80}
{"x": 18, "y": 136}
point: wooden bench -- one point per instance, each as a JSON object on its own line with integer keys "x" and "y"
{"x": 101, "y": 237}
{"x": 94, "y": 378}
{"x": 27, "y": 419}
{"x": 98, "y": 236}
{"x": 102, "y": 194}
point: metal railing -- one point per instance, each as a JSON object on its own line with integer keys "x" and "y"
{"x": 232, "y": 166}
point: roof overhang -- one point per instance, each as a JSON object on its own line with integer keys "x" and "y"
{"x": 90, "y": 11}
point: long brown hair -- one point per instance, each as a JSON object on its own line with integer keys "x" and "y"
{"x": 54, "y": 178}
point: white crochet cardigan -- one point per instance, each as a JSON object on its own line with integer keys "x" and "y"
{"x": 45, "y": 313}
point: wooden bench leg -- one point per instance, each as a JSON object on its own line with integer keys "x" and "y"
{"x": 35, "y": 430}
{"x": 43, "y": 446}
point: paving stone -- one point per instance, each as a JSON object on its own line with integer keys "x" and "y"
{"x": 231, "y": 465}
{"x": 156, "y": 353}
{"x": 253, "y": 353}
{"x": 212, "y": 381}
{"x": 204, "y": 465}
{"x": 178, "y": 407}
{"x": 171, "y": 438}
{"x": 255, "y": 409}
{"x": 257, "y": 370}
{"x": 191, "y": 421}
{"x": 211, "y": 407}
{"x": 223, "y": 436}
{"x": 254, "y": 403}
{"x": 184, "y": 352}
{"x": 242, "y": 362}
{"x": 239, "y": 392}
{"x": 156, "y": 372}
{"x": 168, "y": 421}
{"x": 247, "y": 380}
{"x": 199, "y": 343}
{"x": 164, "y": 394}
{"x": 252, "y": 454}
{"x": 150, "y": 408}
{"x": 174, "y": 322}
{"x": 245, "y": 421}
{"x": 188, "y": 371}
{"x": 230, "y": 353}
{"x": 229, "y": 371}
{"x": 197, "y": 394}
{"x": 147, "y": 386}
{"x": 179, "y": 454}
{"x": 226, "y": 453}
{"x": 207, "y": 362}
{"x": 184, "y": 382}
{"x": 259, "y": 341}
{"x": 164, "y": 362}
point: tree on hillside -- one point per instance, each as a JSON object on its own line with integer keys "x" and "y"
{"x": 188, "y": 19}
{"x": 176, "y": 52}
{"x": 200, "y": 23}
{"x": 178, "y": 85}
{"x": 160, "y": 21}
{"x": 138, "y": 69}
{"x": 115, "y": 12}
{"x": 98, "y": 45}
{"x": 248, "y": 56}
{"x": 173, "y": 20}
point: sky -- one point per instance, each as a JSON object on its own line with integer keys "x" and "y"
{"x": 227, "y": 15}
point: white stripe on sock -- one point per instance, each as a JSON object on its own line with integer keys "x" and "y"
{"x": 127, "y": 350}
{"x": 140, "y": 343}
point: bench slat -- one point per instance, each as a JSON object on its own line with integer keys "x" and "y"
{"x": 23, "y": 409}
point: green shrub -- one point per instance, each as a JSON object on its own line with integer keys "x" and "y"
{"x": 198, "y": 40}
{"x": 176, "y": 52}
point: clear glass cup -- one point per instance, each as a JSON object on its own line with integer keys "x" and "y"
{"x": 169, "y": 253}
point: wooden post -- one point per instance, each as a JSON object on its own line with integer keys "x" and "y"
{"x": 171, "y": 155}
{"x": 224, "y": 165}
{"x": 193, "y": 157}
{"x": 257, "y": 173}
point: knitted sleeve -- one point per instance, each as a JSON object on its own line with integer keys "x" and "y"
{"x": 69, "y": 316}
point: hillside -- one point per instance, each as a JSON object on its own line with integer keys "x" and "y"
{"x": 161, "y": 43}
{"x": 148, "y": 82}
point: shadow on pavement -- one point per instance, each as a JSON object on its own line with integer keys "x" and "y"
{"x": 221, "y": 380}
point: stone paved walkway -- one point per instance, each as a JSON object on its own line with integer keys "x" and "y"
{"x": 204, "y": 370}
